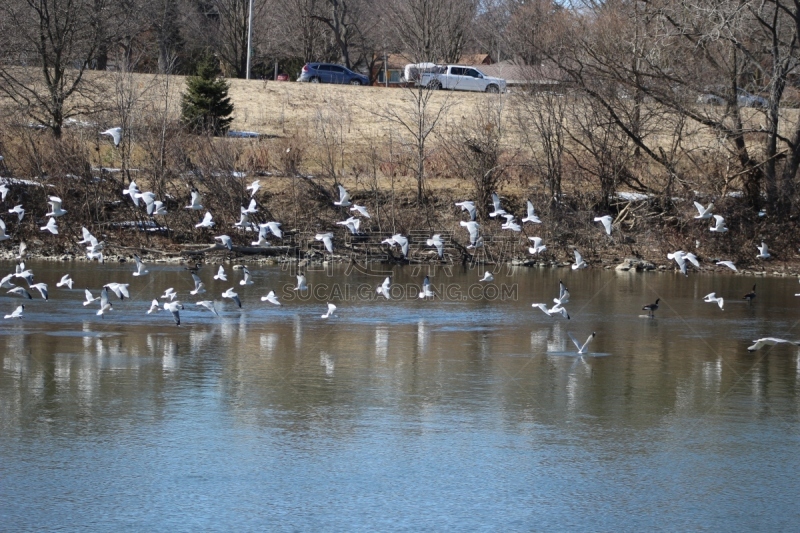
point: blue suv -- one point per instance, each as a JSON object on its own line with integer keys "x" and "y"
{"x": 330, "y": 73}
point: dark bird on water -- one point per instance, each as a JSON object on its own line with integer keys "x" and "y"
{"x": 750, "y": 295}
{"x": 652, "y": 307}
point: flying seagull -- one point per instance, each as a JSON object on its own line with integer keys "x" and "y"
{"x": 344, "y": 198}
{"x": 703, "y": 212}
{"x": 331, "y": 310}
{"x": 606, "y": 220}
{"x": 581, "y": 347}
{"x": 271, "y": 298}
{"x": 114, "y": 133}
{"x": 233, "y": 296}
{"x": 531, "y": 215}
{"x": 17, "y": 313}
{"x": 579, "y": 262}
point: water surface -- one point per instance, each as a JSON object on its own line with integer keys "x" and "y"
{"x": 469, "y": 412}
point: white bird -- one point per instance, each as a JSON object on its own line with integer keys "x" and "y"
{"x": 17, "y": 313}
{"x": 250, "y": 209}
{"x": 221, "y": 274}
{"x": 51, "y": 226}
{"x": 55, "y": 207}
{"x": 95, "y": 255}
{"x": 301, "y": 283}
{"x": 537, "y": 246}
{"x": 692, "y": 259}
{"x": 199, "y": 286}
{"x": 105, "y": 304}
{"x": 344, "y": 198}
{"x": 383, "y": 288}
{"x": 436, "y": 241}
{"x": 140, "y": 270}
{"x": 353, "y": 224}
{"x": 196, "y": 199}
{"x": 225, "y": 241}
{"x": 361, "y": 210}
{"x": 5, "y": 283}
{"x": 510, "y": 224}
{"x": 247, "y": 280}
{"x": 89, "y": 298}
{"x": 331, "y": 310}
{"x": 426, "y": 292}
{"x": 65, "y": 280}
{"x": 3, "y": 236}
{"x": 244, "y": 221}
{"x": 20, "y": 212}
{"x": 469, "y": 207}
{"x": 148, "y": 198}
{"x": 208, "y": 304}
{"x": 487, "y": 277}
{"x": 399, "y": 240}
{"x": 327, "y": 239}
{"x": 3, "y": 192}
{"x": 253, "y": 187}
{"x": 703, "y": 212}
{"x": 728, "y": 264}
{"x": 498, "y": 211}
{"x": 87, "y": 236}
{"x": 555, "y": 310}
{"x": 712, "y": 298}
{"x": 133, "y": 192}
{"x": 120, "y": 289}
{"x": 474, "y": 233}
{"x": 153, "y": 307}
{"x": 769, "y": 341}
{"x": 114, "y": 133}
{"x": 581, "y": 347}
{"x": 169, "y": 293}
{"x": 21, "y": 292}
{"x": 158, "y": 209}
{"x": 42, "y": 288}
{"x": 579, "y": 262}
{"x": 207, "y": 221}
{"x": 719, "y": 225}
{"x": 531, "y": 215}
{"x": 233, "y": 296}
{"x": 273, "y": 227}
{"x": 94, "y": 244}
{"x": 563, "y": 294}
{"x": 762, "y": 251}
{"x": 174, "y": 307}
{"x": 271, "y": 298}
{"x": 680, "y": 258}
{"x": 606, "y": 220}
{"x": 262, "y": 242}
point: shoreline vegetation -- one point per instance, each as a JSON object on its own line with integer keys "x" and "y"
{"x": 408, "y": 155}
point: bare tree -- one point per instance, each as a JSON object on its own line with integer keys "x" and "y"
{"x": 475, "y": 150}
{"x": 58, "y": 38}
{"x": 417, "y": 119}
{"x": 431, "y": 30}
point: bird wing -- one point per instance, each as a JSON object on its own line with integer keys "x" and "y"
{"x": 344, "y": 196}
{"x": 575, "y": 342}
{"x": 585, "y": 344}
{"x": 578, "y": 258}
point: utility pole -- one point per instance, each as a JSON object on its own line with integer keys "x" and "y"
{"x": 249, "y": 38}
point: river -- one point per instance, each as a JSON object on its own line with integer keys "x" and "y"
{"x": 472, "y": 411}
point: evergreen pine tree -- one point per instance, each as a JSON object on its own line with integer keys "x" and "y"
{"x": 205, "y": 106}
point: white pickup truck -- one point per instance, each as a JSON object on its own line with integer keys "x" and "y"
{"x": 454, "y": 77}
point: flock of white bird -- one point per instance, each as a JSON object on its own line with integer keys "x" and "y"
{"x": 154, "y": 207}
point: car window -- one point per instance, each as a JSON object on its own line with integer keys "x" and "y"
{"x": 472, "y": 72}
{"x": 323, "y": 67}
{"x": 457, "y": 71}
{"x": 336, "y": 69}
